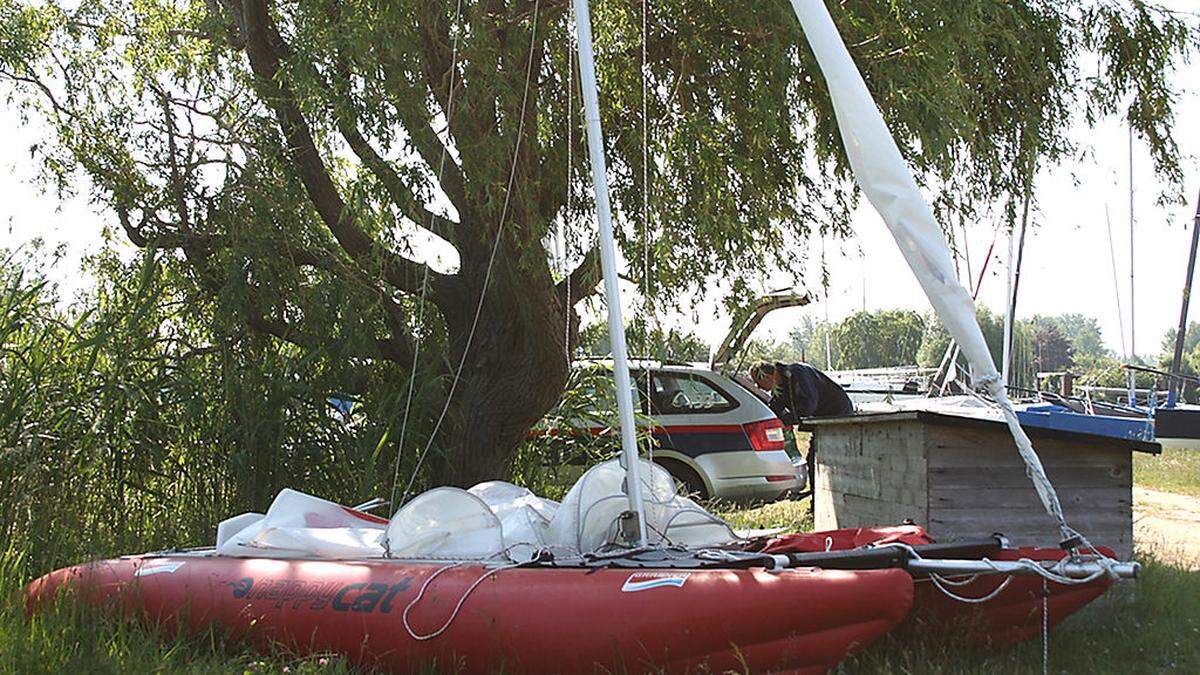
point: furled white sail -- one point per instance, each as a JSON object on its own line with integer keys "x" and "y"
{"x": 886, "y": 180}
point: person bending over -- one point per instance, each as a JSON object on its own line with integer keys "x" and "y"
{"x": 797, "y": 391}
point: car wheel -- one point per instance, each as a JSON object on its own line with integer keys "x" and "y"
{"x": 687, "y": 477}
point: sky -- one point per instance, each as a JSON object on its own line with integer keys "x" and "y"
{"x": 1067, "y": 265}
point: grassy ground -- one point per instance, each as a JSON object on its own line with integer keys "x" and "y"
{"x": 1175, "y": 470}
{"x": 69, "y": 639}
{"x": 1155, "y": 629}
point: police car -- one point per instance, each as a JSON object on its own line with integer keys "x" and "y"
{"x": 713, "y": 435}
{"x": 714, "y": 432}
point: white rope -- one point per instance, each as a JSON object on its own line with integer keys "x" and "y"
{"x": 646, "y": 222}
{"x": 1104, "y": 563}
{"x": 1045, "y": 628}
{"x": 412, "y": 377}
{"x": 566, "y": 220}
{"x": 457, "y": 606}
{"x": 487, "y": 277}
{"x": 957, "y": 581}
{"x": 940, "y": 583}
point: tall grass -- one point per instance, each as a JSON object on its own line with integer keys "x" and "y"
{"x": 1175, "y": 470}
{"x": 69, "y": 638}
{"x": 137, "y": 417}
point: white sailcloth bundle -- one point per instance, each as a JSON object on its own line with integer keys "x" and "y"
{"x": 886, "y": 180}
{"x": 492, "y": 520}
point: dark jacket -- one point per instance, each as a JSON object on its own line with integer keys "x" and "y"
{"x": 804, "y": 391}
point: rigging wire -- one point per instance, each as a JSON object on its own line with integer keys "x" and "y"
{"x": 646, "y": 290}
{"x": 565, "y": 224}
{"x": 487, "y": 277}
{"x": 962, "y": 224}
{"x": 1132, "y": 324}
{"x": 1112, "y": 254}
{"x": 412, "y": 378}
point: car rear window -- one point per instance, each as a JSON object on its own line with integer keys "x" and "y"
{"x": 682, "y": 393}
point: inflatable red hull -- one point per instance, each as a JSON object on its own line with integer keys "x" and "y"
{"x": 527, "y": 620}
{"x": 1013, "y": 615}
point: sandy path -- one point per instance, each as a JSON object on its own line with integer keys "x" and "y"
{"x": 1169, "y": 524}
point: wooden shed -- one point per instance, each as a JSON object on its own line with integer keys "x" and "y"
{"x": 962, "y": 477}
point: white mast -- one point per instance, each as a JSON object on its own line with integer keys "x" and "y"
{"x": 608, "y": 263}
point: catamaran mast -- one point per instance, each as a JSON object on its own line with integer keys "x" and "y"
{"x": 608, "y": 264}
{"x": 1181, "y": 332}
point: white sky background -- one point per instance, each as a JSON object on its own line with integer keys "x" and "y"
{"x": 1066, "y": 267}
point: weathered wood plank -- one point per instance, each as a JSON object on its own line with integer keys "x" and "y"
{"x": 978, "y": 522}
{"x": 859, "y": 482}
{"x": 961, "y": 447}
{"x": 1062, "y": 477}
{"x": 1032, "y": 531}
{"x": 1115, "y": 499}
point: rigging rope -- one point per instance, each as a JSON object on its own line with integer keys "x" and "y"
{"x": 412, "y": 378}
{"x": 487, "y": 277}
{"x": 941, "y": 583}
{"x": 566, "y": 219}
{"x": 1112, "y": 254}
{"x": 458, "y": 605}
{"x": 646, "y": 223}
{"x": 1045, "y": 627}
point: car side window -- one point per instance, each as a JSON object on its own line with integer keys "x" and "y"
{"x": 679, "y": 393}
{"x": 605, "y": 391}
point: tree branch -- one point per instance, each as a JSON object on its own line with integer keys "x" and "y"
{"x": 394, "y": 348}
{"x": 401, "y": 195}
{"x": 583, "y": 280}
{"x": 264, "y": 47}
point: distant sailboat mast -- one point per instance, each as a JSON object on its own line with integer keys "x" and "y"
{"x": 1006, "y": 348}
{"x": 1181, "y": 332}
{"x": 1132, "y": 299}
{"x": 608, "y": 264}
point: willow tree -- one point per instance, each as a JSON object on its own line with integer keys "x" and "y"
{"x": 301, "y": 161}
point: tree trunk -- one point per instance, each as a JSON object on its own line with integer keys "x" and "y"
{"x": 515, "y": 371}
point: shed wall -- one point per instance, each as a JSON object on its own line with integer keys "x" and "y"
{"x": 965, "y": 481}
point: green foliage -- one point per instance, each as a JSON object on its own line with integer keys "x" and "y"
{"x": 795, "y": 515}
{"x": 658, "y": 343}
{"x": 1083, "y": 332}
{"x": 808, "y": 342}
{"x": 1052, "y": 350}
{"x": 878, "y": 339}
{"x": 130, "y": 421}
{"x": 582, "y": 430}
{"x": 1189, "y": 364}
